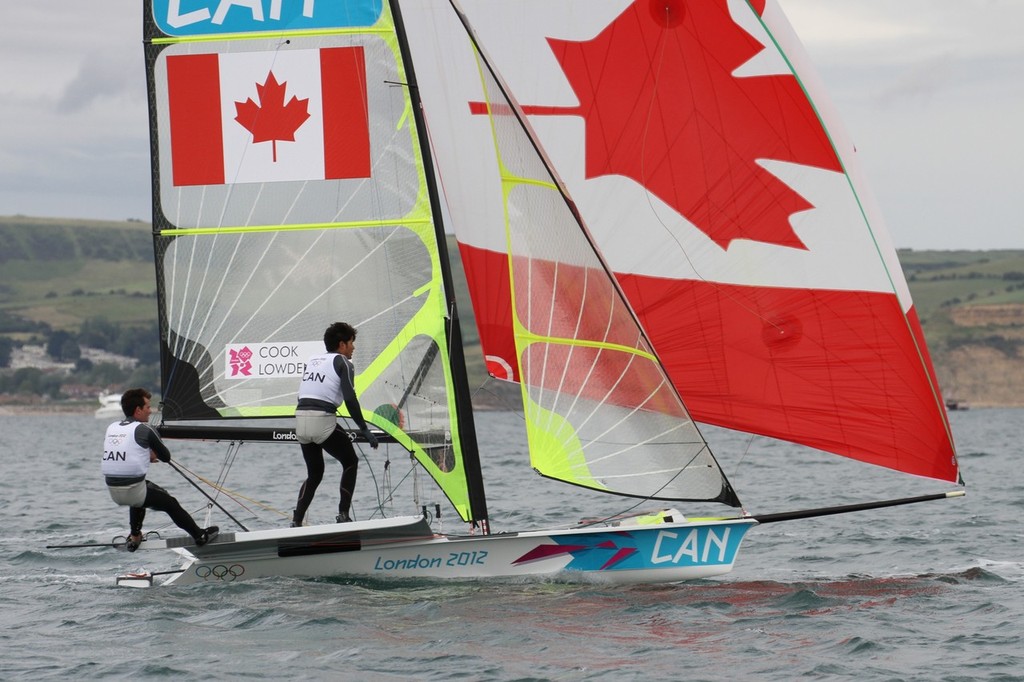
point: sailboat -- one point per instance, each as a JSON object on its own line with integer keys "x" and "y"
{"x": 110, "y": 406}
{"x": 299, "y": 156}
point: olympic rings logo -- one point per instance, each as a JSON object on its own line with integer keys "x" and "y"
{"x": 220, "y": 572}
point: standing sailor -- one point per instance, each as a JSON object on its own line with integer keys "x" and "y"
{"x": 328, "y": 381}
{"x": 128, "y": 449}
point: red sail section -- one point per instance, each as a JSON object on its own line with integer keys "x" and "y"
{"x": 662, "y": 105}
{"x": 197, "y": 140}
{"x": 841, "y": 371}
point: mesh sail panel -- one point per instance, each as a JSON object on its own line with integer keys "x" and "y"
{"x": 601, "y": 412}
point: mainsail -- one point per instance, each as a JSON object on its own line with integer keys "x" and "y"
{"x": 702, "y": 153}
{"x": 290, "y": 191}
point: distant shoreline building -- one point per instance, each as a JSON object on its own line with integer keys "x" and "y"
{"x": 37, "y": 357}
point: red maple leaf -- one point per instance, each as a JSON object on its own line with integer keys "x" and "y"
{"x": 661, "y": 106}
{"x": 272, "y": 120}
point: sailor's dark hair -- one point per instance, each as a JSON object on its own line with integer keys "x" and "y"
{"x": 133, "y": 399}
{"x": 339, "y": 332}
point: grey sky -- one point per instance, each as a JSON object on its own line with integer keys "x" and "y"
{"x": 932, "y": 92}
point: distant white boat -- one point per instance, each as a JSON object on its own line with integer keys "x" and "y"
{"x": 110, "y": 406}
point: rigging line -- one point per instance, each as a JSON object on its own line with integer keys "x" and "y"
{"x": 221, "y": 474}
{"x": 234, "y": 447}
{"x": 640, "y": 501}
{"x": 484, "y": 385}
{"x": 622, "y": 512}
{"x": 746, "y": 451}
{"x": 376, "y": 484}
{"x": 215, "y": 503}
{"x": 235, "y": 496}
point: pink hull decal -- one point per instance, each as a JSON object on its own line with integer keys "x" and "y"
{"x": 548, "y": 551}
{"x": 619, "y": 556}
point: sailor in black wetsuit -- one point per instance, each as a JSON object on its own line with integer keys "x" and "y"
{"x": 328, "y": 381}
{"x": 128, "y": 449}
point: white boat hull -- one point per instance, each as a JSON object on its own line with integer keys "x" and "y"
{"x": 405, "y": 547}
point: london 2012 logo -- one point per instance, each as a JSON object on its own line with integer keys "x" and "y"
{"x": 255, "y": 360}
{"x": 239, "y": 361}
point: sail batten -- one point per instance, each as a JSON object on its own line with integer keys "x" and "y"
{"x": 234, "y": 229}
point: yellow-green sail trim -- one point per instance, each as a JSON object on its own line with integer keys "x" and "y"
{"x": 452, "y": 482}
{"x": 407, "y": 221}
{"x": 380, "y": 28}
{"x": 555, "y": 447}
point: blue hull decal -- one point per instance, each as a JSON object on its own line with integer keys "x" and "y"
{"x": 648, "y": 548}
{"x": 208, "y": 17}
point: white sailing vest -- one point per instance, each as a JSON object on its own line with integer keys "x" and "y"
{"x": 122, "y": 455}
{"x": 321, "y": 382}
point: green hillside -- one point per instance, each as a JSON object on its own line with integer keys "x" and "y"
{"x": 942, "y": 279}
{"x": 57, "y": 273}
{"x": 61, "y": 272}
{"x": 944, "y": 283}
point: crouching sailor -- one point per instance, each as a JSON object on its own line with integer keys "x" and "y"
{"x": 128, "y": 449}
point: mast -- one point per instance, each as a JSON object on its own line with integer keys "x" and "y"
{"x": 149, "y": 51}
{"x": 460, "y": 381}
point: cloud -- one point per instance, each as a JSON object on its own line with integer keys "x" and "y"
{"x": 73, "y": 101}
{"x": 103, "y": 76}
{"x": 930, "y": 91}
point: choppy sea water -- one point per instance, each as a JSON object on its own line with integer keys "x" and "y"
{"x": 931, "y": 591}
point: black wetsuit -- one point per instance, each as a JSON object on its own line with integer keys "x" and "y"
{"x": 156, "y": 497}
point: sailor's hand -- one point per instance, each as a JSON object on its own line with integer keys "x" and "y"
{"x": 370, "y": 438}
{"x": 152, "y": 457}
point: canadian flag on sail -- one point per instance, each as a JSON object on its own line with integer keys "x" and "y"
{"x": 728, "y": 205}
{"x": 268, "y": 116}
